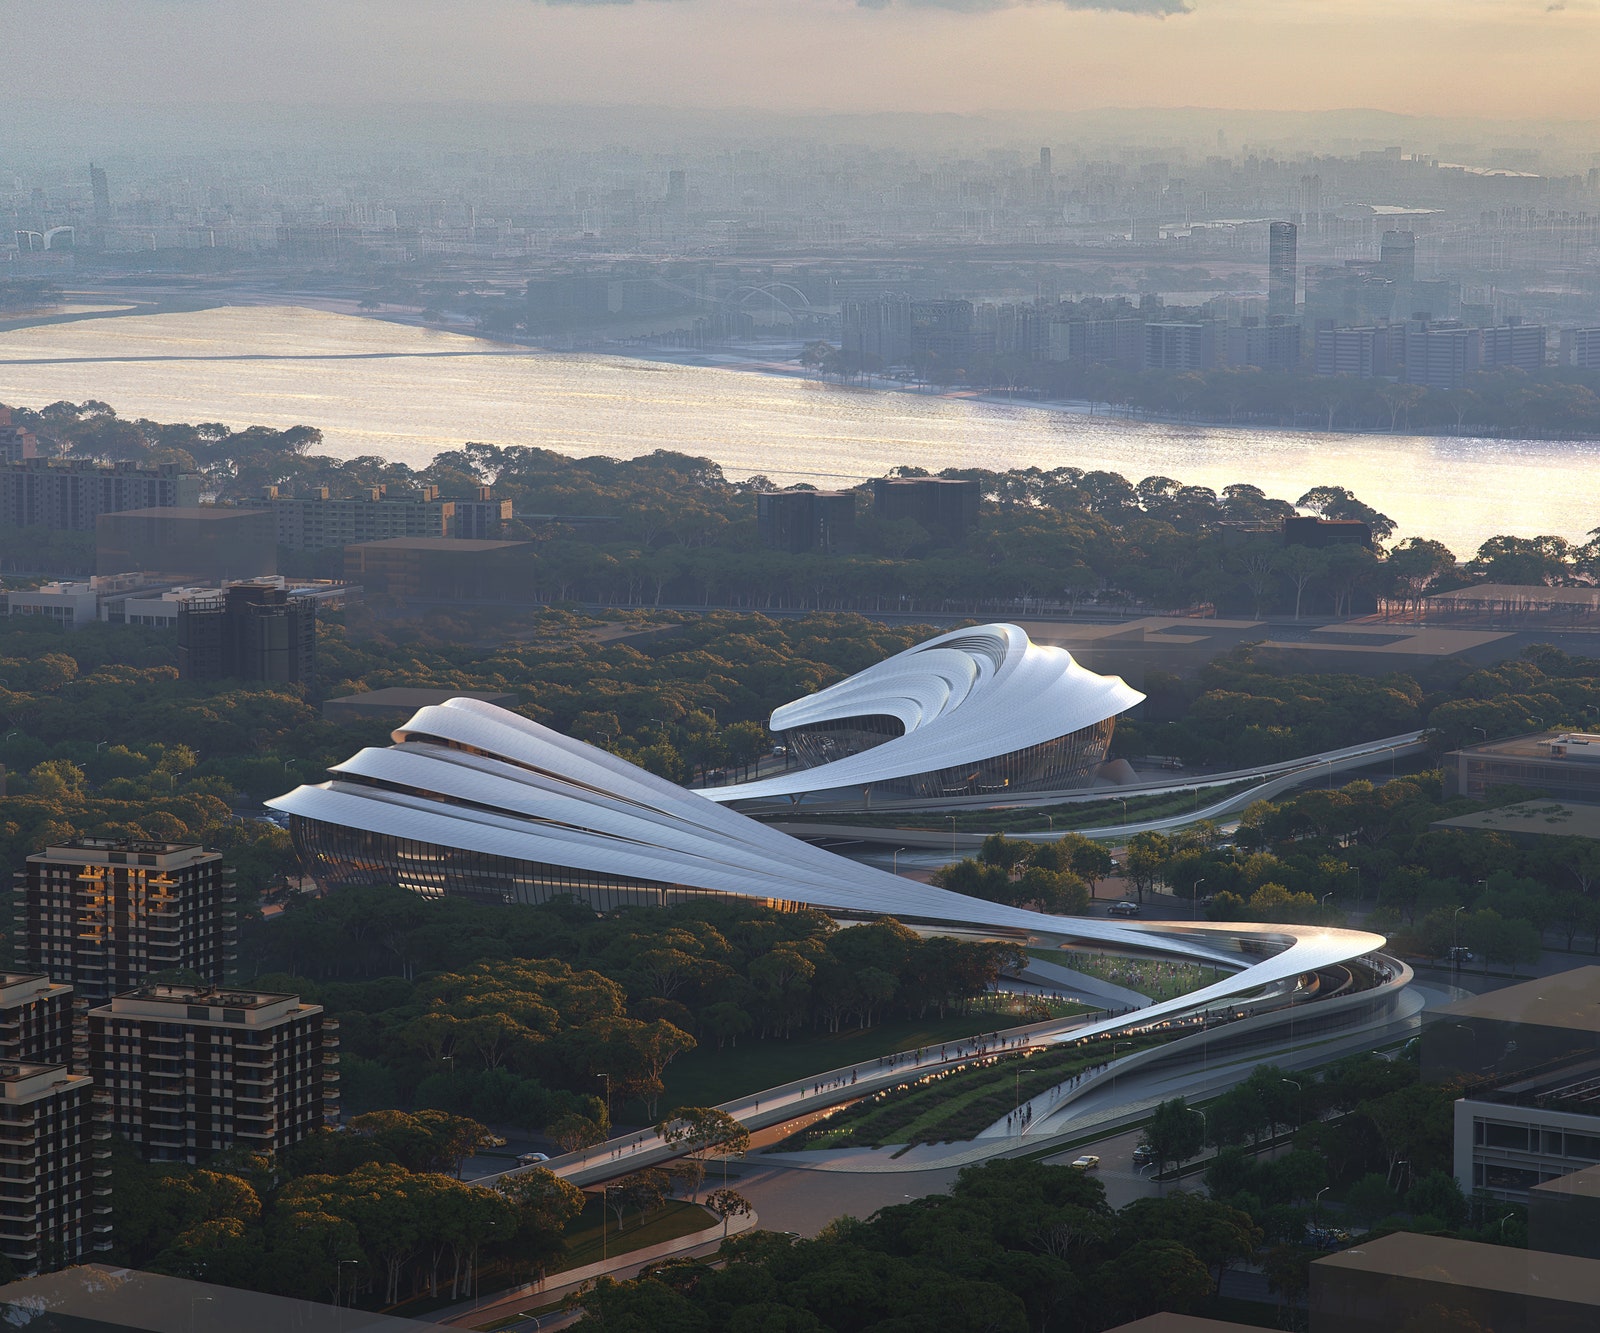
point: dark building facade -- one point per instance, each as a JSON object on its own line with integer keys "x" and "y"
{"x": 206, "y": 543}
{"x": 1319, "y": 532}
{"x": 249, "y": 631}
{"x": 800, "y": 521}
{"x": 55, "y": 1171}
{"x": 35, "y": 1020}
{"x": 72, "y": 494}
{"x": 946, "y": 507}
{"x": 188, "y": 1071}
{"x": 102, "y": 914}
{"x": 443, "y": 569}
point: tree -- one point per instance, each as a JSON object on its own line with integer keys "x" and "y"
{"x": 1146, "y": 860}
{"x": 705, "y": 1131}
{"x": 1218, "y": 1234}
{"x": 1175, "y": 1133}
{"x": 1370, "y": 1199}
{"x": 1301, "y": 565}
{"x": 1438, "y": 1195}
{"x": 728, "y": 1204}
{"x": 1152, "y": 1275}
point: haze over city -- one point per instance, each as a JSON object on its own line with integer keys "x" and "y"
{"x": 1473, "y": 58}
{"x": 800, "y": 666}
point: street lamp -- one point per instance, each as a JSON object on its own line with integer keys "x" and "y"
{"x": 607, "y": 1078}
{"x": 952, "y": 835}
{"x": 338, "y": 1283}
{"x": 1024, "y": 1070}
{"x": 192, "y": 1302}
{"x": 897, "y": 852}
{"x": 1455, "y": 939}
{"x": 1316, "y": 1204}
{"x": 1325, "y": 897}
{"x": 1124, "y": 801}
{"x": 1194, "y": 898}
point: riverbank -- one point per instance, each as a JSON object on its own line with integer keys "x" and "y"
{"x": 382, "y": 383}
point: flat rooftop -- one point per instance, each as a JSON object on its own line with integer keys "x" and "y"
{"x": 1535, "y": 746}
{"x": 1182, "y": 1323}
{"x": 191, "y": 513}
{"x": 1559, "y": 819}
{"x": 1514, "y": 596}
{"x": 1568, "y": 1001}
{"x": 1468, "y": 1264}
{"x": 165, "y": 993}
{"x": 1583, "y": 1184}
{"x": 125, "y": 1300}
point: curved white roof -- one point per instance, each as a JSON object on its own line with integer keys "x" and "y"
{"x": 467, "y": 775}
{"x": 964, "y": 697}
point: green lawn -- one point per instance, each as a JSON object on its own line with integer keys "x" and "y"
{"x": 1160, "y": 979}
{"x": 708, "y": 1077}
{"x": 676, "y": 1218}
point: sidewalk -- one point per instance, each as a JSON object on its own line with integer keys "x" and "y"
{"x": 558, "y": 1286}
{"x": 773, "y": 1106}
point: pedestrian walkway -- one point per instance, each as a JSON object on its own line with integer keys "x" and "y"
{"x": 772, "y": 1106}
{"x": 558, "y": 1286}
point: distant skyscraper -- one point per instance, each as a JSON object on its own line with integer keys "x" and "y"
{"x": 1044, "y": 161}
{"x": 102, "y": 193}
{"x": 1311, "y": 204}
{"x": 677, "y": 193}
{"x": 1282, "y": 268}
{"x": 1399, "y": 257}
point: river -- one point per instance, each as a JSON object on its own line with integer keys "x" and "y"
{"x": 405, "y": 393}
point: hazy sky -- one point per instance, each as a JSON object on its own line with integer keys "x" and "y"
{"x": 1519, "y": 58}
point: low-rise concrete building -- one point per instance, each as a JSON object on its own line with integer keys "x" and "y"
{"x": 1564, "y": 765}
{"x": 1564, "y": 1214}
{"x": 1530, "y": 1056}
{"x": 1406, "y": 1280}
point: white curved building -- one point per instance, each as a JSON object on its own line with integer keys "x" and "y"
{"x": 476, "y": 801}
{"x": 981, "y": 711}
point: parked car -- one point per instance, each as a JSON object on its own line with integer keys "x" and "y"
{"x": 1459, "y": 954}
{"x": 1124, "y": 908}
{"x": 532, "y": 1158}
{"x": 1087, "y": 1162}
{"x": 1144, "y": 1155}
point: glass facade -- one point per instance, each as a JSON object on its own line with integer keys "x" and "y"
{"x": 822, "y": 742}
{"x": 1053, "y": 765}
{"x": 336, "y": 856}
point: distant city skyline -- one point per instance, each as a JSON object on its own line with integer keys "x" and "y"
{"x": 1518, "y": 58}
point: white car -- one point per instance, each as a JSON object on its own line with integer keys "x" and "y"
{"x": 532, "y": 1158}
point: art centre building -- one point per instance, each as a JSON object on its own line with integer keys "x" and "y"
{"x": 976, "y": 712}
{"x": 474, "y": 801}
